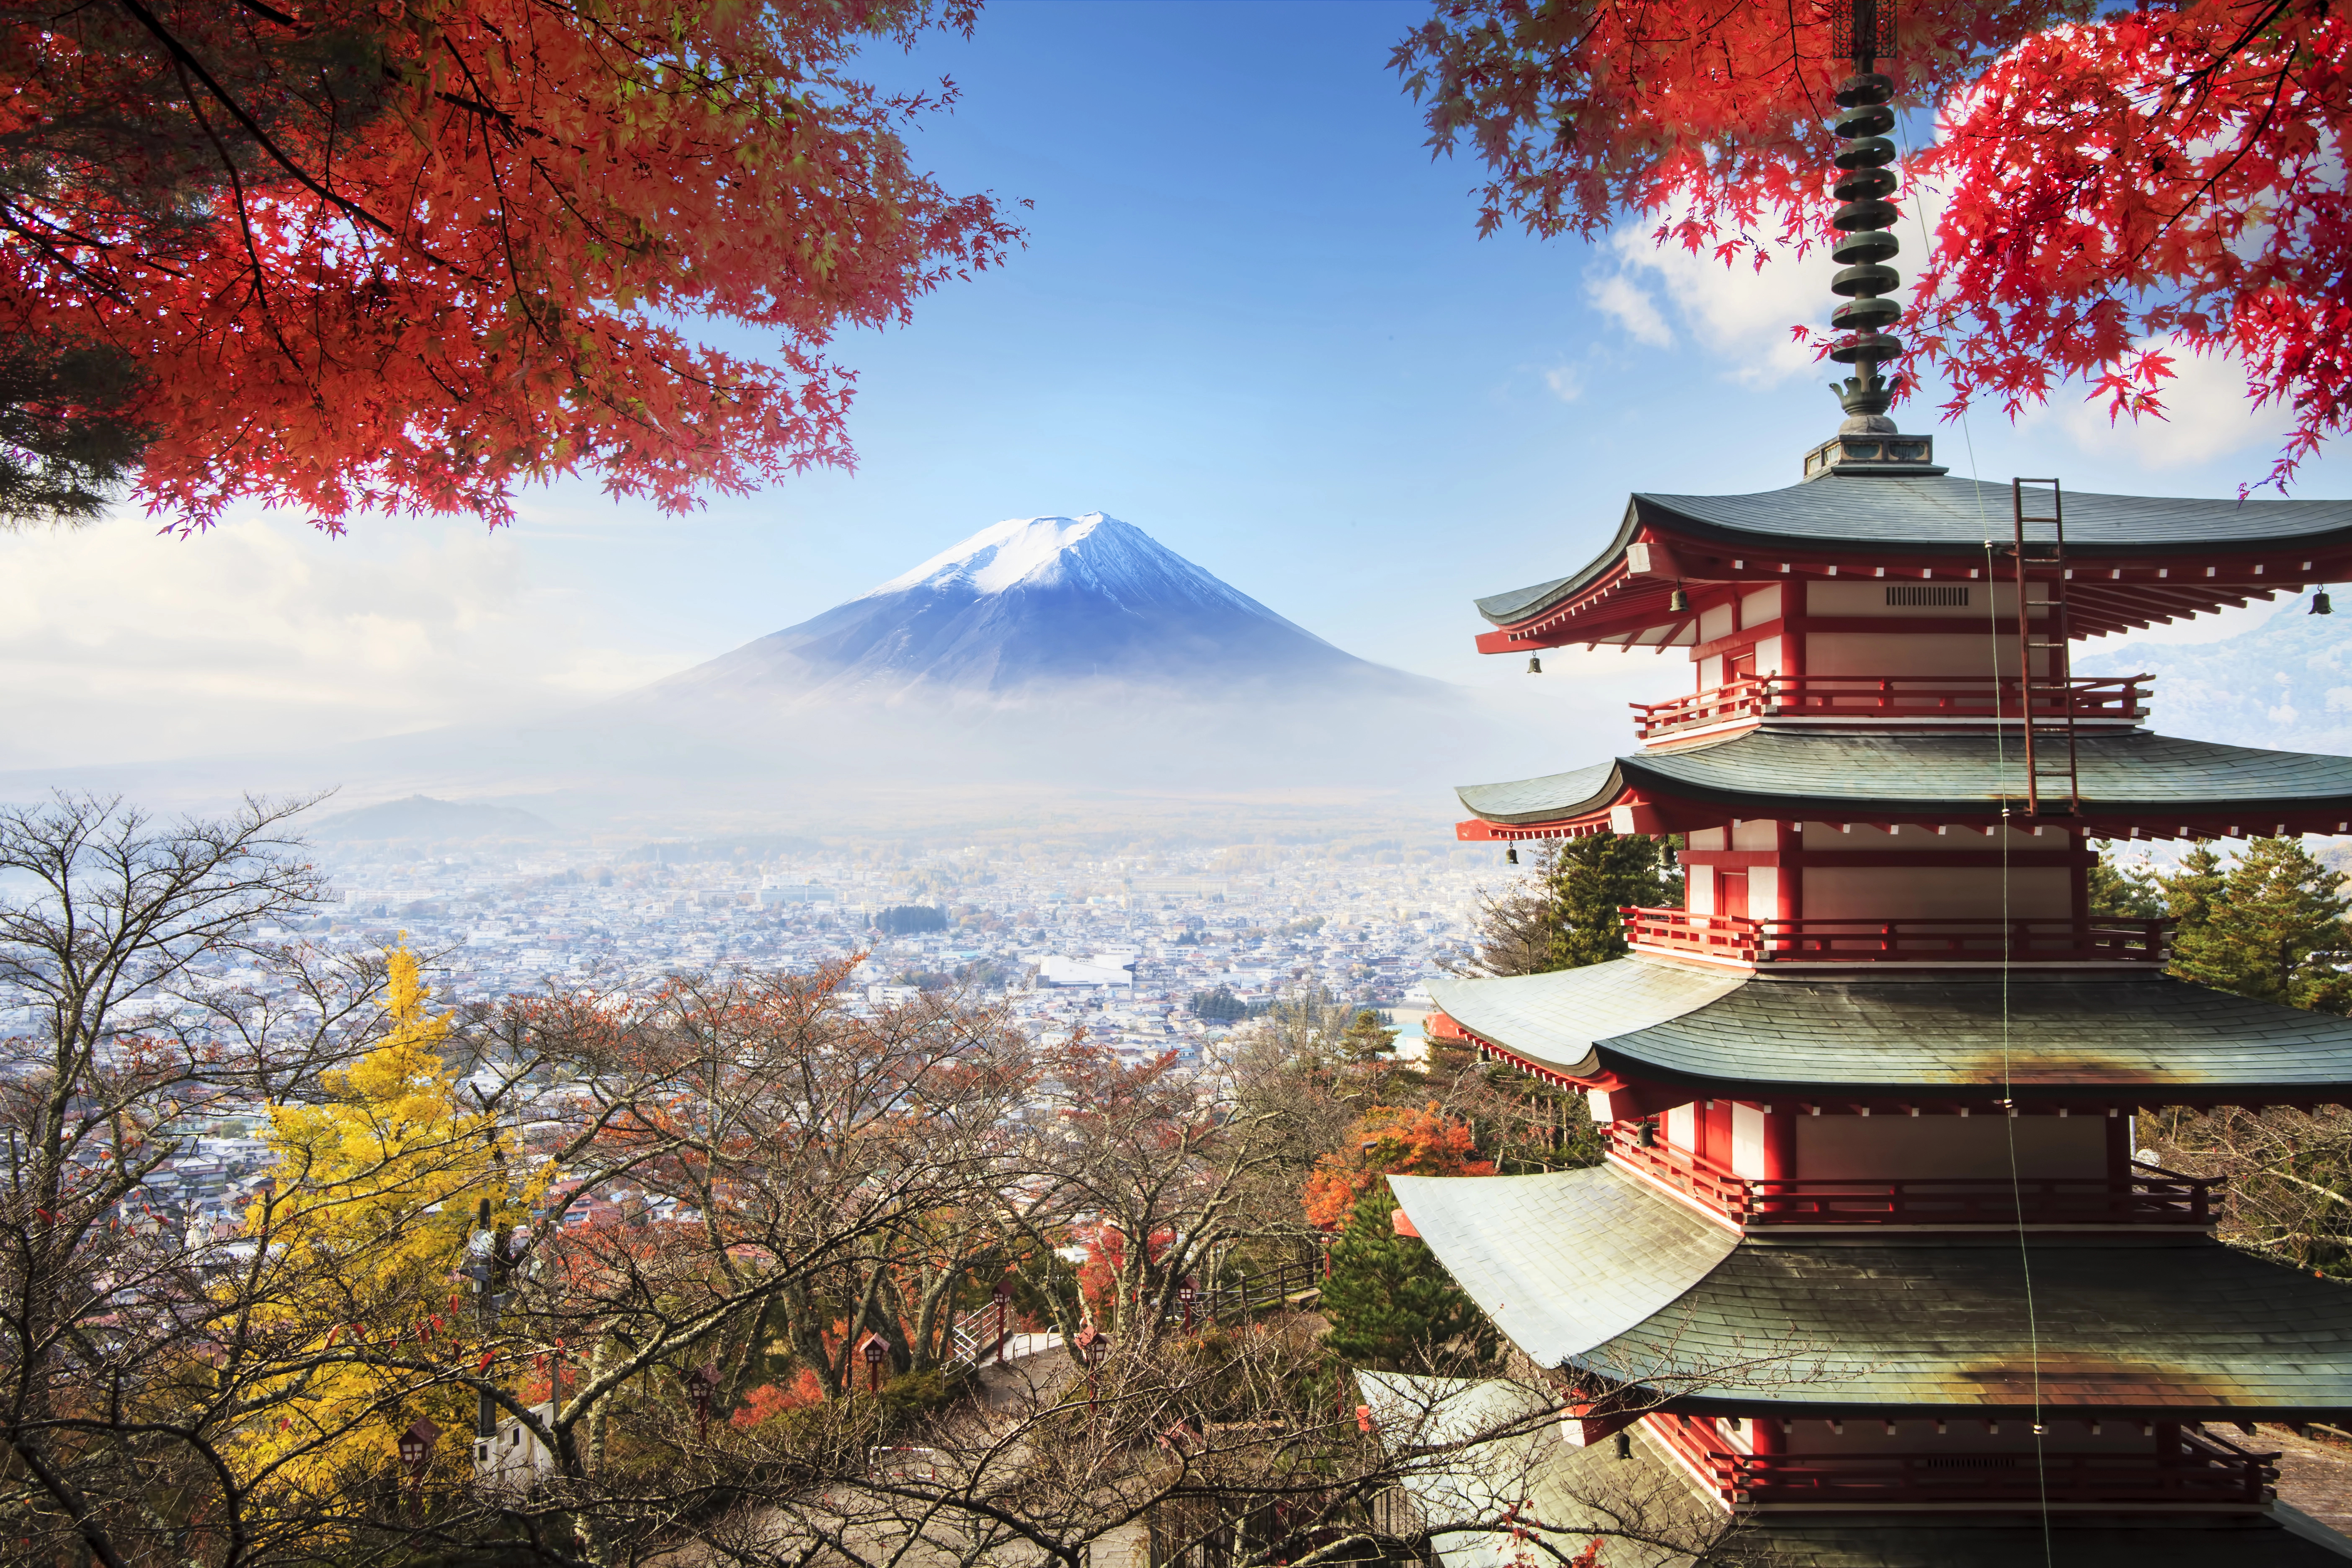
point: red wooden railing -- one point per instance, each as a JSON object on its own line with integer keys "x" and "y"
{"x": 2204, "y": 1469}
{"x": 1982, "y": 697}
{"x": 2147, "y": 1196}
{"x": 1839, "y": 940}
{"x": 2183, "y": 1466}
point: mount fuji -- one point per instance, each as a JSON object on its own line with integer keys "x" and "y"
{"x": 1045, "y": 669}
{"x": 1041, "y": 608}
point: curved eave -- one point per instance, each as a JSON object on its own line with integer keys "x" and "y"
{"x": 2133, "y": 783}
{"x": 1594, "y": 1270}
{"x": 2138, "y": 561}
{"x": 2045, "y": 1039}
{"x": 2189, "y": 1327}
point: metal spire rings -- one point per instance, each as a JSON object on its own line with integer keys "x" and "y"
{"x": 1866, "y": 217}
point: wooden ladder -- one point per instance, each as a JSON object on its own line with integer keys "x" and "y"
{"x": 2052, "y": 779}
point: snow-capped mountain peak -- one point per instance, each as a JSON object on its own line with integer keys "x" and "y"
{"x": 1095, "y": 551}
{"x": 1035, "y": 605}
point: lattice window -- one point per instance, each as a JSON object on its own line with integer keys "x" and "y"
{"x": 1927, "y": 594}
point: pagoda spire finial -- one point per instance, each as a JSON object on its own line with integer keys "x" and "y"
{"x": 1868, "y": 441}
{"x": 1866, "y": 31}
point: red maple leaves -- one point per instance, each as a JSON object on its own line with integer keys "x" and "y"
{"x": 2117, "y": 191}
{"x": 408, "y": 257}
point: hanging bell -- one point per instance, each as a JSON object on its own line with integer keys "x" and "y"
{"x": 1678, "y": 600}
{"x": 1535, "y": 664}
{"x": 2319, "y": 604}
{"x": 1511, "y": 855}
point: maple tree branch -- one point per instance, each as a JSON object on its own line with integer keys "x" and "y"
{"x": 181, "y": 53}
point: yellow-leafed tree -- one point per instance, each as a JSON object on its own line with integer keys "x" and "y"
{"x": 359, "y": 1327}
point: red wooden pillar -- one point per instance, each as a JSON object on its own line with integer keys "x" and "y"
{"x": 1714, "y": 1119}
{"x": 1788, "y": 901}
{"x": 1781, "y": 1145}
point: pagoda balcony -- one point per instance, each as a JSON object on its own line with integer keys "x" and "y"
{"x": 2147, "y": 1197}
{"x": 1931, "y": 939}
{"x": 1930, "y": 699}
{"x": 2200, "y": 1470}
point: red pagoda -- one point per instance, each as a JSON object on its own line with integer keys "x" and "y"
{"x": 1872, "y": 1261}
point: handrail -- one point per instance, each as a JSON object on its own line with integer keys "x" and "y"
{"x": 2021, "y": 1477}
{"x": 2200, "y": 1468}
{"x": 2147, "y": 1196}
{"x": 1837, "y": 938}
{"x": 1974, "y": 697}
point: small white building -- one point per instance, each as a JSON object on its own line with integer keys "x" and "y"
{"x": 514, "y": 1459}
{"x": 1113, "y": 966}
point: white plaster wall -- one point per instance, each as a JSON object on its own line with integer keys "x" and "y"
{"x": 1710, "y": 672}
{"x": 1747, "y": 1141}
{"x": 1680, "y": 1127}
{"x": 1768, "y": 655}
{"x": 1764, "y": 605}
{"x": 1868, "y": 596}
{"x": 1763, "y": 893}
{"x": 1847, "y": 1148}
{"x": 1910, "y": 653}
{"x": 1901, "y": 893}
{"x": 1761, "y": 833}
{"x": 1699, "y": 890}
{"x": 1707, "y": 838}
{"x": 1909, "y": 837}
{"x": 1715, "y": 622}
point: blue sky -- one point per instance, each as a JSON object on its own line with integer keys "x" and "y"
{"x": 1252, "y": 319}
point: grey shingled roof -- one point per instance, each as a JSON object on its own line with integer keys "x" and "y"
{"x": 2189, "y": 1325}
{"x": 1595, "y": 1269}
{"x": 2069, "y": 1034}
{"x": 1833, "y": 774}
{"x": 1943, "y": 515}
{"x": 1564, "y": 1261}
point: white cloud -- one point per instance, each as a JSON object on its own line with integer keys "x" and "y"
{"x": 2207, "y": 414}
{"x": 118, "y": 644}
{"x": 1618, "y": 297}
{"x": 1741, "y": 313}
{"x": 1567, "y": 382}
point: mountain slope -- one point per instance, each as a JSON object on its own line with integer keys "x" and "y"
{"x": 1029, "y": 608}
{"x": 2287, "y": 684}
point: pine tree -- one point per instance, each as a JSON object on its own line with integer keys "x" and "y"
{"x": 2189, "y": 893}
{"x": 1390, "y": 1303}
{"x": 1565, "y": 916}
{"x": 1366, "y": 1040}
{"x": 2129, "y": 892}
{"x": 2271, "y": 925}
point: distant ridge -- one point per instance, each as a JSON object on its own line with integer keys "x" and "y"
{"x": 2284, "y": 684}
{"x": 422, "y": 817}
{"x": 1034, "y": 606}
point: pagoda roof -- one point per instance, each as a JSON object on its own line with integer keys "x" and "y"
{"x": 1566, "y": 1260}
{"x": 1925, "y": 516}
{"x": 1565, "y": 1495}
{"x": 1826, "y": 774}
{"x": 2189, "y": 1327}
{"x": 2047, "y": 1036}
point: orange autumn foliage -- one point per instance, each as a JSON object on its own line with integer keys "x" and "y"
{"x": 406, "y": 256}
{"x": 1391, "y": 1140}
{"x": 768, "y": 1401}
